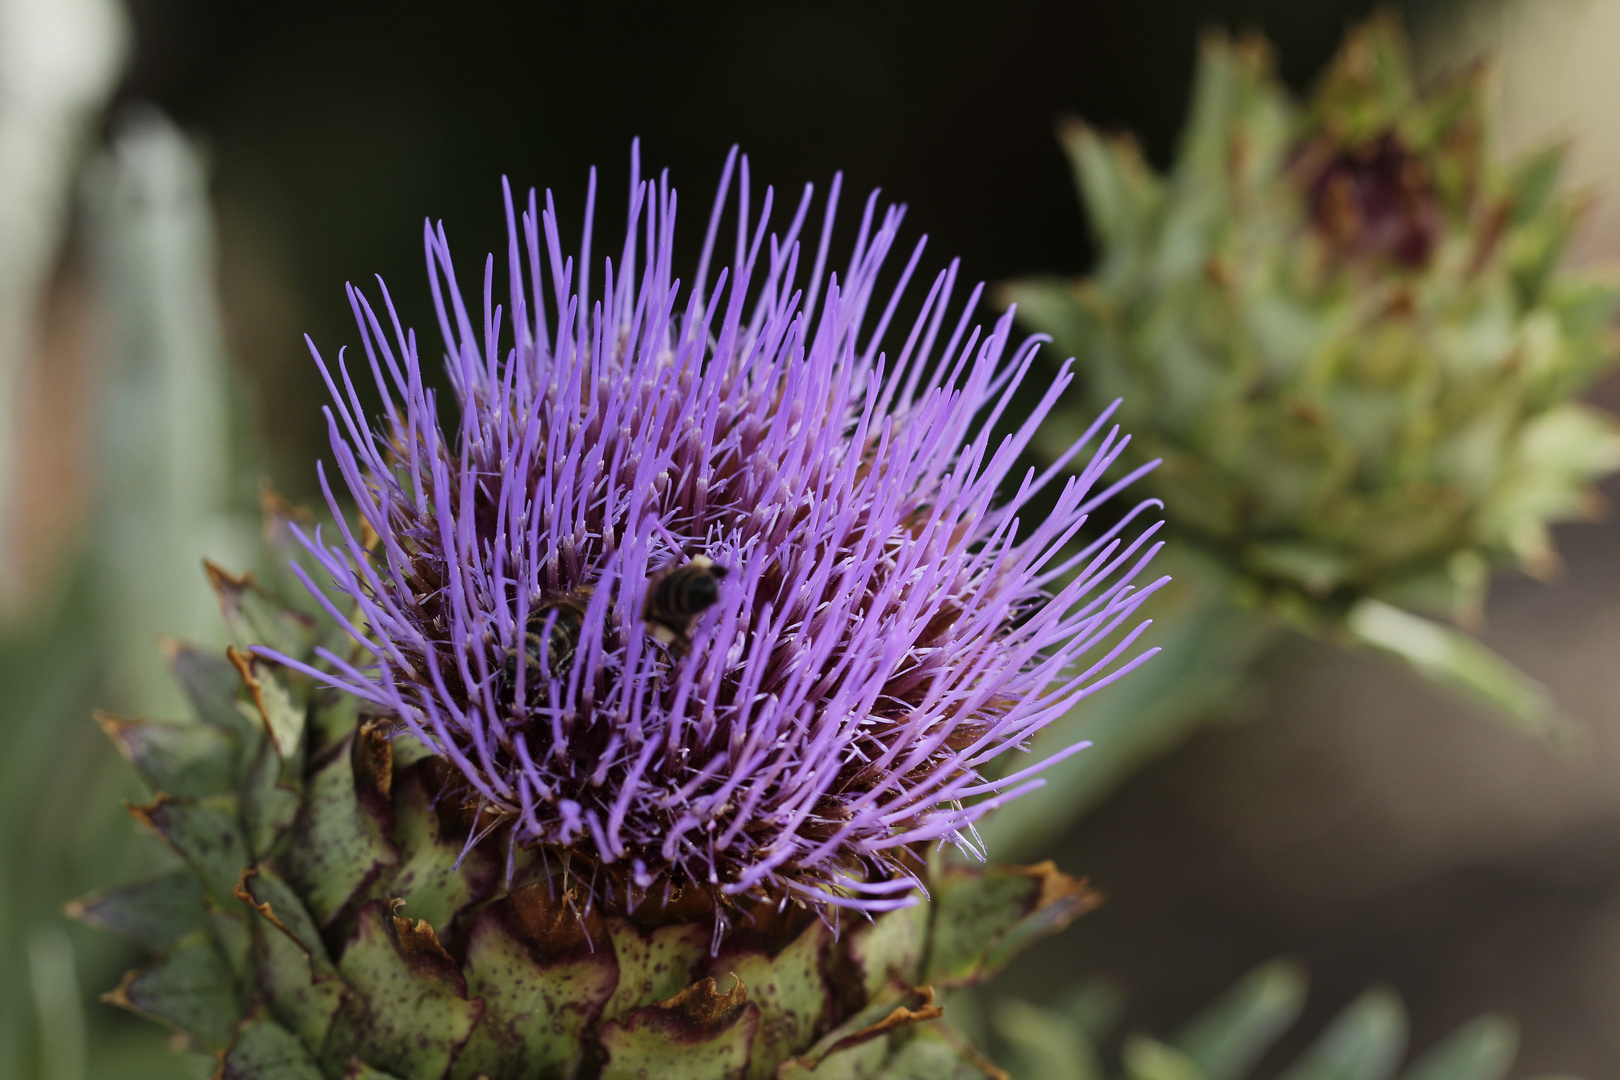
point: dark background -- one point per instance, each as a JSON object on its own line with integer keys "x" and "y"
{"x": 335, "y": 128}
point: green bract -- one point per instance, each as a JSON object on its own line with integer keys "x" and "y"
{"x": 1343, "y": 330}
{"x": 328, "y": 918}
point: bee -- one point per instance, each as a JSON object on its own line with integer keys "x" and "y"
{"x": 546, "y": 649}
{"x": 678, "y": 596}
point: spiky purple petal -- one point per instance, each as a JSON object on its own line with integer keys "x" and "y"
{"x": 885, "y": 630}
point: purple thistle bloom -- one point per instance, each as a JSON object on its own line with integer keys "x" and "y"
{"x": 534, "y": 600}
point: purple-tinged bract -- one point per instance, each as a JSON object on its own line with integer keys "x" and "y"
{"x": 543, "y": 602}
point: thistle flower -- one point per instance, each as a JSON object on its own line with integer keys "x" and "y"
{"x": 706, "y": 588}
{"x": 663, "y": 670}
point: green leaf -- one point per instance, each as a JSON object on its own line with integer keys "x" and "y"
{"x": 275, "y": 902}
{"x": 1095, "y": 1007}
{"x": 264, "y": 1050}
{"x": 544, "y": 977}
{"x": 1047, "y": 1044}
{"x": 191, "y": 989}
{"x": 426, "y": 876}
{"x": 1226, "y": 1040}
{"x": 1364, "y": 1042}
{"x": 1573, "y": 441}
{"x": 856, "y": 1049}
{"x": 269, "y": 804}
{"x": 890, "y": 948}
{"x": 286, "y": 980}
{"x": 789, "y": 989}
{"x": 1457, "y": 661}
{"x": 1532, "y": 181}
{"x": 155, "y": 911}
{"x": 213, "y": 687}
{"x": 282, "y": 548}
{"x": 206, "y": 834}
{"x": 233, "y": 938}
{"x": 1482, "y": 1049}
{"x": 334, "y": 716}
{"x": 1313, "y": 567}
{"x": 281, "y": 713}
{"x": 1120, "y": 191}
{"x": 699, "y": 1034}
{"x": 1149, "y": 1059}
{"x": 984, "y": 917}
{"x": 336, "y": 846}
{"x": 409, "y": 1012}
{"x": 293, "y": 974}
{"x": 653, "y": 965}
{"x": 932, "y": 1056}
{"x": 187, "y": 759}
{"x": 257, "y": 618}
{"x": 271, "y": 793}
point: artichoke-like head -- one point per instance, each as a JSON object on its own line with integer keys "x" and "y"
{"x": 622, "y": 720}
{"x": 1343, "y": 328}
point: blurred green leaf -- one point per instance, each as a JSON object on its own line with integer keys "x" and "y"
{"x": 1094, "y": 1008}
{"x": 1364, "y": 1042}
{"x": 1208, "y": 642}
{"x": 191, "y": 988}
{"x": 1227, "y": 1039}
{"x": 1230, "y": 1038}
{"x": 153, "y": 912}
{"x": 1149, "y": 1059}
{"x": 1482, "y": 1049}
{"x": 1044, "y": 1044}
{"x": 164, "y": 456}
{"x": 1452, "y": 658}
{"x": 981, "y": 918}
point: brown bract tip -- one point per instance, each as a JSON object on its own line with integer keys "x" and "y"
{"x": 1070, "y": 128}
{"x": 273, "y": 506}
{"x": 373, "y": 759}
{"x": 922, "y": 1009}
{"x": 222, "y": 580}
{"x": 143, "y": 814}
{"x": 1072, "y": 897}
{"x": 245, "y": 894}
{"x": 115, "y": 726}
{"x": 702, "y": 1005}
{"x": 417, "y": 941}
{"x": 243, "y": 663}
{"x": 549, "y": 923}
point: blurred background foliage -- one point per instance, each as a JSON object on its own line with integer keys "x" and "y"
{"x": 184, "y": 187}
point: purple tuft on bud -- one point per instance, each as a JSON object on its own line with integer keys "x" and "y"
{"x": 1377, "y": 200}
{"x": 704, "y": 588}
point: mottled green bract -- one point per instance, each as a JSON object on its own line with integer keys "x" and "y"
{"x": 1344, "y": 330}
{"x": 330, "y": 920}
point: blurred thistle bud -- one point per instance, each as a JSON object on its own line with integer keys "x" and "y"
{"x": 1343, "y": 329}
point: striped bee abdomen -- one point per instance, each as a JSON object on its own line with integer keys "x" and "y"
{"x": 678, "y": 596}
